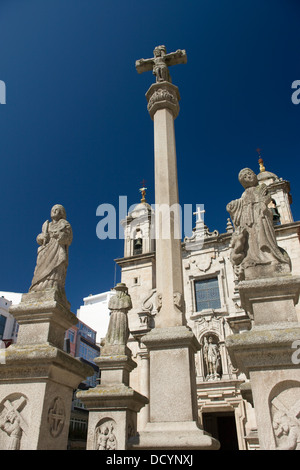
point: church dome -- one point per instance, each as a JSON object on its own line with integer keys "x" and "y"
{"x": 140, "y": 209}
{"x": 267, "y": 175}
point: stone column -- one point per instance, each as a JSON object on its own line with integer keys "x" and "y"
{"x": 163, "y": 108}
{"x": 38, "y": 378}
{"x": 171, "y": 344}
{"x": 113, "y": 405}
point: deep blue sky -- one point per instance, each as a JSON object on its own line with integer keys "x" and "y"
{"x": 76, "y": 131}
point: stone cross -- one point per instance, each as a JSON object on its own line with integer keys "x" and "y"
{"x": 56, "y": 417}
{"x": 199, "y": 213}
{"x": 160, "y": 62}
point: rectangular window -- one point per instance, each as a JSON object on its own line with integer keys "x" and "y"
{"x": 207, "y": 294}
{"x": 2, "y": 325}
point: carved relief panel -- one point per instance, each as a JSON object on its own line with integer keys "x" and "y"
{"x": 105, "y": 438}
{"x": 285, "y": 415}
{"x": 56, "y": 416}
{"x": 13, "y": 423}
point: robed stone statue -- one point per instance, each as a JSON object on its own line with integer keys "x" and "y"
{"x": 52, "y": 258}
{"x": 254, "y": 249}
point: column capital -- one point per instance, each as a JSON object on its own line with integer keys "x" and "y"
{"x": 163, "y": 95}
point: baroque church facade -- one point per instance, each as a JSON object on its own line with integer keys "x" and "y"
{"x": 212, "y": 309}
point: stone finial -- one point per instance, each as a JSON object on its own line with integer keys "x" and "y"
{"x": 254, "y": 250}
{"x": 229, "y": 226}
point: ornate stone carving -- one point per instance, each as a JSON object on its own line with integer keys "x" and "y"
{"x": 159, "y": 301}
{"x": 11, "y": 420}
{"x": 178, "y": 301}
{"x": 163, "y": 96}
{"x": 160, "y": 62}
{"x": 131, "y": 428}
{"x": 52, "y": 257}
{"x": 105, "y": 438}
{"x": 149, "y": 303}
{"x": 254, "y": 250}
{"x": 285, "y": 413}
{"x": 56, "y": 417}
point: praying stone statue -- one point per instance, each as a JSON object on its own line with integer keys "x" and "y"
{"x": 52, "y": 257}
{"x": 160, "y": 62}
{"x": 254, "y": 250}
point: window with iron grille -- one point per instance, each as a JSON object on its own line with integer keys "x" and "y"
{"x": 207, "y": 294}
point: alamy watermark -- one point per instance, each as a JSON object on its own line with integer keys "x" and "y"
{"x": 296, "y": 354}
{"x": 296, "y": 94}
{"x": 162, "y": 221}
{"x": 2, "y": 92}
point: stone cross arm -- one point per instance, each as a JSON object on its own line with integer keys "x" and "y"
{"x": 173, "y": 58}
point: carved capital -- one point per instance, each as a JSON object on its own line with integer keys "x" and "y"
{"x": 163, "y": 95}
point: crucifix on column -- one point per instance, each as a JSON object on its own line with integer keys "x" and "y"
{"x": 171, "y": 344}
{"x": 160, "y": 62}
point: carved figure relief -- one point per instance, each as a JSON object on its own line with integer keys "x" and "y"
{"x": 56, "y": 417}
{"x": 158, "y": 301}
{"x": 105, "y": 438}
{"x": 178, "y": 301}
{"x": 12, "y": 422}
{"x": 285, "y": 415}
{"x": 160, "y": 62}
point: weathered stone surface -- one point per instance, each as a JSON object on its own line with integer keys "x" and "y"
{"x": 52, "y": 258}
{"x": 160, "y": 62}
{"x": 42, "y": 377}
{"x": 37, "y": 377}
{"x": 113, "y": 405}
{"x": 255, "y": 253}
{"x": 43, "y": 316}
{"x": 270, "y": 300}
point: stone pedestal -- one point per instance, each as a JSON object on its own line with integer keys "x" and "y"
{"x": 38, "y": 378}
{"x": 173, "y": 397}
{"x": 173, "y": 422}
{"x": 112, "y": 405}
{"x": 267, "y": 355}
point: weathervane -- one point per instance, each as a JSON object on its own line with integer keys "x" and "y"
{"x": 143, "y": 191}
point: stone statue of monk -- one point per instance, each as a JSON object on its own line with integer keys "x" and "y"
{"x": 52, "y": 258}
{"x": 254, "y": 249}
